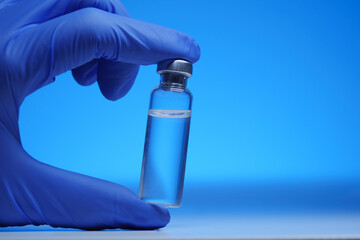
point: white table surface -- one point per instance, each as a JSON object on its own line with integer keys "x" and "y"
{"x": 302, "y": 211}
{"x": 217, "y": 226}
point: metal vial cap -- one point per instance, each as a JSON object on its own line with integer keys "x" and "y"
{"x": 175, "y": 66}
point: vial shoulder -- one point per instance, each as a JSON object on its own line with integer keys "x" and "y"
{"x": 188, "y": 92}
{"x": 163, "y": 99}
{"x": 160, "y": 90}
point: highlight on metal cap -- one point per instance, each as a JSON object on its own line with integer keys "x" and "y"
{"x": 175, "y": 66}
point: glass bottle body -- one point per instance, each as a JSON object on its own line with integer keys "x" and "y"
{"x": 167, "y": 133}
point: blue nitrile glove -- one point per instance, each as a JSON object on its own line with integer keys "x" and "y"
{"x": 98, "y": 41}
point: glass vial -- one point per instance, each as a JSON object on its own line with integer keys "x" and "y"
{"x": 167, "y": 133}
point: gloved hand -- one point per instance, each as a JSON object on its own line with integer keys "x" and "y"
{"x": 98, "y": 41}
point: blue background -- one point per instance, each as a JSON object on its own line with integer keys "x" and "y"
{"x": 276, "y": 107}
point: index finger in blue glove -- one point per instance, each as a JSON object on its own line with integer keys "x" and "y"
{"x": 74, "y": 39}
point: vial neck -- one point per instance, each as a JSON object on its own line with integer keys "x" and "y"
{"x": 173, "y": 82}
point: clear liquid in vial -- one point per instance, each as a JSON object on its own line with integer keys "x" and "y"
{"x": 162, "y": 175}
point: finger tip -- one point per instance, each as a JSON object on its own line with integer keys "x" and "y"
{"x": 195, "y": 51}
{"x": 116, "y": 79}
{"x": 114, "y": 93}
{"x": 85, "y": 75}
{"x": 192, "y": 50}
{"x": 163, "y": 216}
{"x": 145, "y": 216}
{"x": 84, "y": 81}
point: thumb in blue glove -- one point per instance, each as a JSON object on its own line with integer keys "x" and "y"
{"x": 98, "y": 41}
